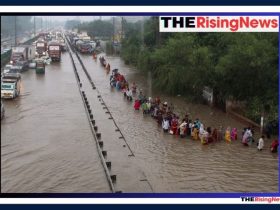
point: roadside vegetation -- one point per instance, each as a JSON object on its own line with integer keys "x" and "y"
{"x": 96, "y": 28}
{"x": 241, "y": 67}
{"x": 237, "y": 66}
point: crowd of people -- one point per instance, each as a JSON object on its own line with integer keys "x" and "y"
{"x": 164, "y": 115}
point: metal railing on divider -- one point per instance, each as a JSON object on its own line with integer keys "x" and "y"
{"x": 111, "y": 178}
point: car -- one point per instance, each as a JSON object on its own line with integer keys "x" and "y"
{"x": 14, "y": 71}
{"x": 7, "y": 68}
{"x": 23, "y": 65}
{"x": 6, "y": 50}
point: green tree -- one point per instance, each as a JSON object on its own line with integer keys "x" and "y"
{"x": 240, "y": 66}
{"x": 98, "y": 28}
{"x": 71, "y": 24}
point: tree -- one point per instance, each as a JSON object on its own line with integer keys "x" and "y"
{"x": 240, "y": 66}
{"x": 98, "y": 28}
{"x": 71, "y": 24}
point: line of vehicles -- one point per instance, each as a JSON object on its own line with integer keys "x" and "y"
{"x": 83, "y": 43}
{"x": 51, "y": 45}
{"x": 47, "y": 48}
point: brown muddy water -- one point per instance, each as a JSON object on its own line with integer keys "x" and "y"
{"x": 47, "y": 146}
{"x": 173, "y": 164}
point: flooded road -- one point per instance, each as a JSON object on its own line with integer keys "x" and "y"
{"x": 173, "y": 164}
{"x": 47, "y": 146}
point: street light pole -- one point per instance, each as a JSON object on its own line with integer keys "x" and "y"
{"x": 113, "y": 29}
{"x": 122, "y": 35}
{"x": 15, "y": 30}
{"x": 34, "y": 26}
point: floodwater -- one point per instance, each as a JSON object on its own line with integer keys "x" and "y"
{"x": 47, "y": 146}
{"x": 172, "y": 164}
{"x": 46, "y": 143}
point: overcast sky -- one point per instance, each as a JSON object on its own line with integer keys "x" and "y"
{"x": 82, "y": 18}
{"x": 85, "y": 18}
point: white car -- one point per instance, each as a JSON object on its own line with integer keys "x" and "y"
{"x": 12, "y": 72}
{"x": 7, "y": 68}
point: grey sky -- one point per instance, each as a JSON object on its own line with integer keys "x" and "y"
{"x": 88, "y": 18}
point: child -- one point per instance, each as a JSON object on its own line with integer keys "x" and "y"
{"x": 261, "y": 143}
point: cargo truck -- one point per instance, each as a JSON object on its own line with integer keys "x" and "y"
{"x": 23, "y": 53}
{"x": 41, "y": 47}
{"x": 19, "y": 53}
{"x": 54, "y": 51}
{"x": 10, "y": 87}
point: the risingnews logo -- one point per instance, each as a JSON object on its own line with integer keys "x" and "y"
{"x": 261, "y": 199}
{"x": 219, "y": 23}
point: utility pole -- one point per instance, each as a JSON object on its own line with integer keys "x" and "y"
{"x": 157, "y": 33}
{"x": 113, "y": 29}
{"x": 34, "y": 26}
{"x": 122, "y": 35}
{"x": 15, "y": 30}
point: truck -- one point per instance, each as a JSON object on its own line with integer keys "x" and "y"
{"x": 19, "y": 53}
{"x": 58, "y": 35}
{"x": 62, "y": 44}
{"x": 54, "y": 51}
{"x": 93, "y": 44}
{"x": 40, "y": 66}
{"x": 85, "y": 48}
{"x": 41, "y": 47}
{"x": 31, "y": 52}
{"x": 23, "y": 53}
{"x": 86, "y": 39}
{"x": 10, "y": 87}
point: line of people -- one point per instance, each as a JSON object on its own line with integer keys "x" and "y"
{"x": 171, "y": 123}
{"x": 103, "y": 62}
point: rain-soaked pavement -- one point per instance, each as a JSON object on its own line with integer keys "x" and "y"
{"x": 47, "y": 145}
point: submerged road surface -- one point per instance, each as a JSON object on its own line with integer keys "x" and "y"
{"x": 47, "y": 145}
{"x": 173, "y": 164}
